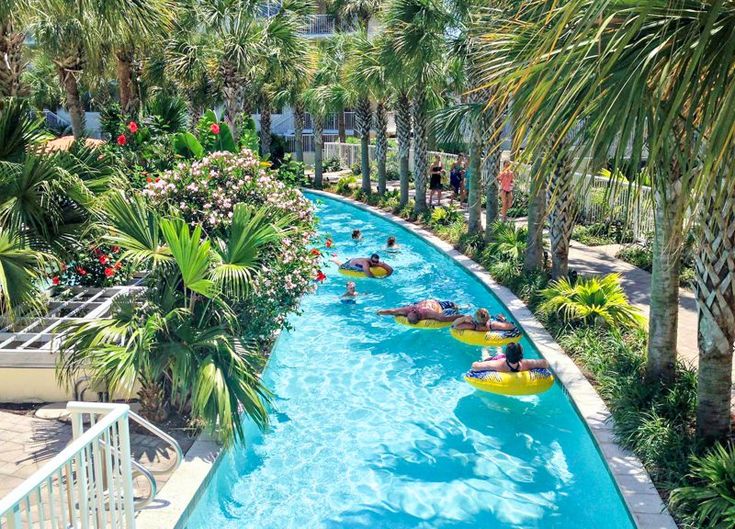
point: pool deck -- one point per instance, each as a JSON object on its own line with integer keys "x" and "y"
{"x": 635, "y": 485}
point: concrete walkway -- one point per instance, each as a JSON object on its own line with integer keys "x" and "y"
{"x": 27, "y": 443}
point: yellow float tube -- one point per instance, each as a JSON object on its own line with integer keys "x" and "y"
{"x": 424, "y": 324}
{"x": 378, "y": 271}
{"x": 486, "y": 338}
{"x": 530, "y": 382}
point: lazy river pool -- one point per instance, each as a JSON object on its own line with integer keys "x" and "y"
{"x": 374, "y": 427}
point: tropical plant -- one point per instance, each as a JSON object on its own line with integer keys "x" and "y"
{"x": 12, "y": 14}
{"x": 591, "y": 300}
{"x": 168, "y": 113}
{"x": 415, "y": 35}
{"x": 19, "y": 130}
{"x": 22, "y": 272}
{"x": 709, "y": 503}
{"x": 507, "y": 243}
{"x": 181, "y": 341}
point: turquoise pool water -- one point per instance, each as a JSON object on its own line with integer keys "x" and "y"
{"x": 374, "y": 427}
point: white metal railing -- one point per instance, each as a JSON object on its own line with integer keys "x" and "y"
{"x": 317, "y": 25}
{"x": 88, "y": 485}
{"x": 597, "y": 200}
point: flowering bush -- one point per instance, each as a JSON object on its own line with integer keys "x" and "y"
{"x": 205, "y": 192}
{"x": 93, "y": 266}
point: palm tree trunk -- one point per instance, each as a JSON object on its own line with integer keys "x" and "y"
{"x": 403, "y": 135}
{"x": 534, "y": 258}
{"x": 124, "y": 79}
{"x": 381, "y": 143}
{"x": 715, "y": 290}
{"x": 490, "y": 171}
{"x": 67, "y": 76}
{"x": 341, "y": 128}
{"x": 299, "y": 118}
{"x": 668, "y": 207}
{"x": 11, "y": 59}
{"x": 561, "y": 215}
{"x": 420, "y": 154}
{"x": 232, "y": 95}
{"x": 363, "y": 118}
{"x": 474, "y": 195}
{"x": 318, "y": 124}
{"x": 265, "y": 128}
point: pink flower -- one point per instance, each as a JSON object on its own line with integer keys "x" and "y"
{"x": 214, "y": 128}
{"x": 103, "y": 259}
{"x": 133, "y": 127}
{"x": 122, "y": 140}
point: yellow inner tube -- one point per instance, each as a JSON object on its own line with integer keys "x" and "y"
{"x": 378, "y": 271}
{"x": 485, "y": 338}
{"x": 522, "y": 383}
{"x": 424, "y": 324}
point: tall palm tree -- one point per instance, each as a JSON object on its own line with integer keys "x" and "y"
{"x": 533, "y": 260}
{"x": 415, "y": 32}
{"x": 561, "y": 201}
{"x": 612, "y": 61}
{"x": 368, "y": 76}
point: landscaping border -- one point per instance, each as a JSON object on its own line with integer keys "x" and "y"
{"x": 638, "y": 491}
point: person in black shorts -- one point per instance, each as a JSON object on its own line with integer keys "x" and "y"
{"x": 435, "y": 181}
{"x": 456, "y": 177}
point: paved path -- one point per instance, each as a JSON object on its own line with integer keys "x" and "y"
{"x": 26, "y": 443}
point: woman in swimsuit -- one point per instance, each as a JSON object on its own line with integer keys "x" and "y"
{"x": 435, "y": 182}
{"x": 429, "y": 309}
{"x": 483, "y": 322}
{"x": 511, "y": 362}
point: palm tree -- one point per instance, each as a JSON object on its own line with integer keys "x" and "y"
{"x": 533, "y": 259}
{"x": 611, "y": 63}
{"x": 360, "y": 10}
{"x": 22, "y": 272}
{"x": 368, "y": 76}
{"x": 415, "y": 32}
{"x": 11, "y": 46}
{"x": 180, "y": 340}
{"x": 398, "y": 85}
{"x": 560, "y": 198}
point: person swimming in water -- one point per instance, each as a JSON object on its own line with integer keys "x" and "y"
{"x": 391, "y": 245}
{"x": 510, "y": 362}
{"x": 356, "y": 235}
{"x": 363, "y": 264}
{"x": 428, "y": 309}
{"x": 482, "y": 321}
{"x": 350, "y": 293}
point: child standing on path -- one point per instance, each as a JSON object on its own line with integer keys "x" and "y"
{"x": 505, "y": 180}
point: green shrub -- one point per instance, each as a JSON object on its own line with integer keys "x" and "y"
{"x": 507, "y": 243}
{"x": 344, "y": 185}
{"x": 591, "y": 301}
{"x": 444, "y": 216}
{"x": 453, "y": 232}
{"x": 291, "y": 172}
{"x": 520, "y": 204}
{"x": 332, "y": 165}
{"x": 640, "y": 256}
{"x": 356, "y": 169}
{"x": 709, "y": 503}
{"x": 471, "y": 244}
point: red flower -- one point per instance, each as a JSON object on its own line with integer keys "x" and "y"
{"x": 158, "y": 179}
{"x": 81, "y": 271}
{"x": 122, "y": 140}
{"x": 103, "y": 259}
{"x": 214, "y": 128}
{"x": 118, "y": 265}
{"x": 55, "y": 280}
{"x": 133, "y": 127}
{"x": 320, "y": 276}
{"x": 115, "y": 249}
{"x": 148, "y": 179}
{"x": 109, "y": 272}
{"x": 315, "y": 251}
{"x": 329, "y": 243}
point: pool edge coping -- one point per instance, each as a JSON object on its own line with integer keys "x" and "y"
{"x": 640, "y": 495}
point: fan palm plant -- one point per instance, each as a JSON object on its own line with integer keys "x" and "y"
{"x": 19, "y": 130}
{"x": 180, "y": 340}
{"x": 415, "y": 33}
{"x": 368, "y": 78}
{"x": 648, "y": 77}
{"x": 507, "y": 242}
{"x": 591, "y": 300}
{"x": 360, "y": 10}
{"x": 22, "y": 273}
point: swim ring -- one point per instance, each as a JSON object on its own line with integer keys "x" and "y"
{"x": 423, "y": 324}
{"x": 486, "y": 338}
{"x": 378, "y": 271}
{"x": 529, "y": 382}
